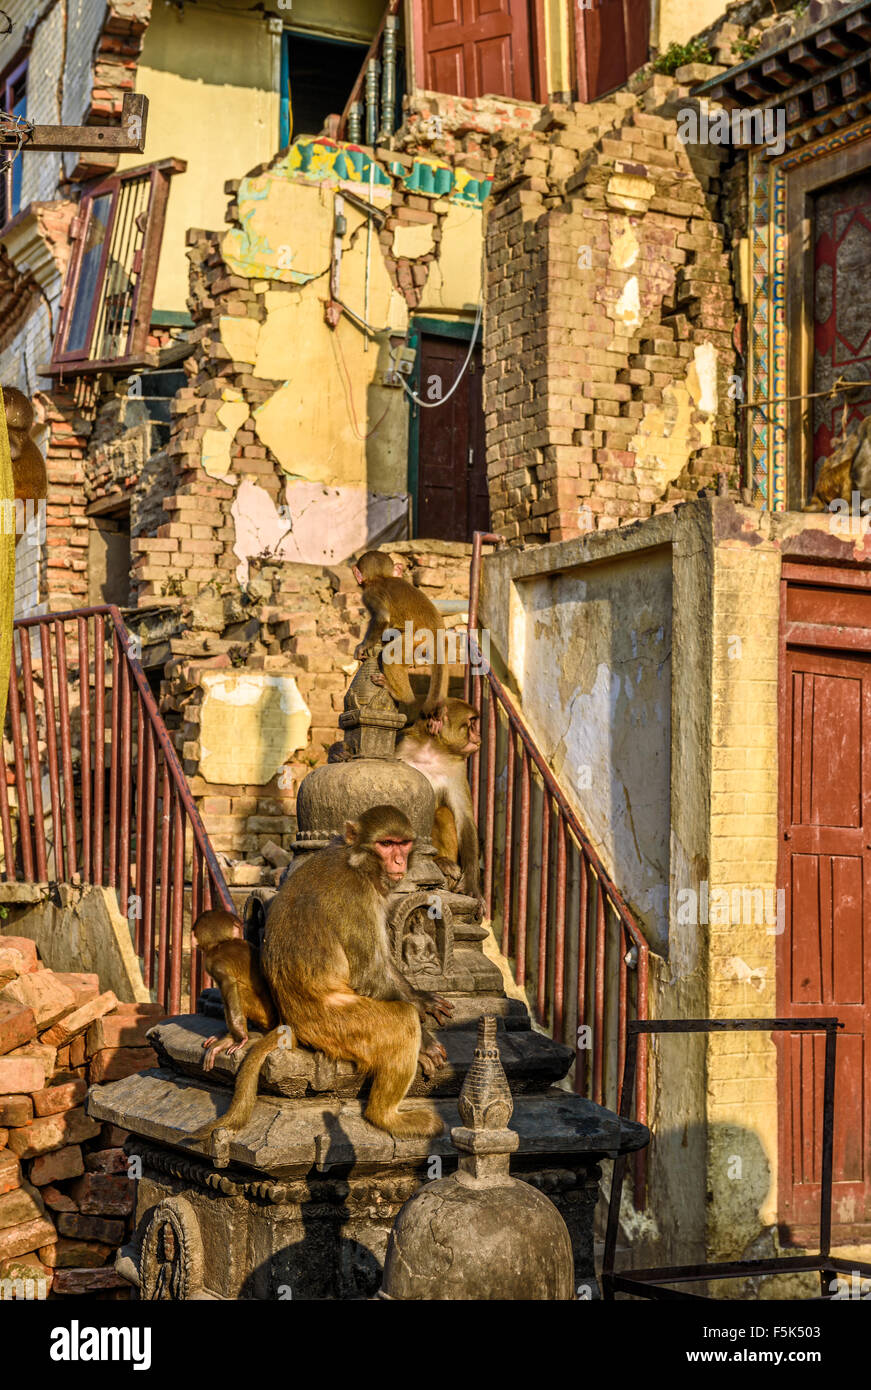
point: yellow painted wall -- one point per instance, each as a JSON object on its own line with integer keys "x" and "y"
{"x": 679, "y": 21}
{"x": 211, "y": 78}
{"x": 352, "y": 19}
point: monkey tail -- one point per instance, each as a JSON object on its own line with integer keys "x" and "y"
{"x": 438, "y": 687}
{"x": 245, "y": 1090}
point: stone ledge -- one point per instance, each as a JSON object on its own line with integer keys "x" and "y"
{"x": 288, "y": 1138}
{"x": 532, "y": 1062}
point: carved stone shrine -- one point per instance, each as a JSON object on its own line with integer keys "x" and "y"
{"x": 301, "y": 1202}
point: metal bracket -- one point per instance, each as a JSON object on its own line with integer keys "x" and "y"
{"x": 129, "y": 135}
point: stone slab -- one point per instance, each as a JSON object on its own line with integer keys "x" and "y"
{"x": 287, "y": 1137}
{"x": 531, "y": 1061}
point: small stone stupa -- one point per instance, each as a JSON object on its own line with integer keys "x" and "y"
{"x": 480, "y": 1233}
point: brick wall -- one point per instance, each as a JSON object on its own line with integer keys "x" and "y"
{"x": 608, "y": 322}
{"x": 742, "y": 1067}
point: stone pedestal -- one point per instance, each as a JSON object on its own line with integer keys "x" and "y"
{"x": 300, "y": 1203}
{"x": 305, "y": 1206}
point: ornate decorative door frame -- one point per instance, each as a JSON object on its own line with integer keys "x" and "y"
{"x": 780, "y": 314}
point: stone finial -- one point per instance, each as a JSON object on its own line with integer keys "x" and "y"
{"x": 370, "y": 720}
{"x": 485, "y": 1105}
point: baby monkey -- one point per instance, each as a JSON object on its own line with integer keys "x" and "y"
{"x": 234, "y": 965}
{"x": 392, "y": 603}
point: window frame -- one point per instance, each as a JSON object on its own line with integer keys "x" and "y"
{"x": 78, "y": 359}
{"x": 20, "y": 64}
{"x": 802, "y": 186}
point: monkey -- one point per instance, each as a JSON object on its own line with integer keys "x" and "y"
{"x": 438, "y": 745}
{"x": 29, "y": 477}
{"x": 233, "y": 964}
{"x": 327, "y": 961}
{"x": 392, "y": 602}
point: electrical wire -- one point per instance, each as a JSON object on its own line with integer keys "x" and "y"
{"x": 431, "y": 405}
{"x": 350, "y": 399}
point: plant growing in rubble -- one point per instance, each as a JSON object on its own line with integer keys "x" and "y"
{"x": 677, "y": 55}
{"x": 745, "y": 48}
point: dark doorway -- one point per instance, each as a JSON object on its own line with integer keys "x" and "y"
{"x": 109, "y": 558}
{"x": 447, "y": 442}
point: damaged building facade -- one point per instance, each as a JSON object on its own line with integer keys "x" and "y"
{"x": 504, "y": 292}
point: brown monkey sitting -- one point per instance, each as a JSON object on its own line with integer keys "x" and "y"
{"x": 233, "y": 964}
{"x": 28, "y": 466}
{"x": 393, "y": 603}
{"x": 328, "y": 963}
{"x": 438, "y": 745}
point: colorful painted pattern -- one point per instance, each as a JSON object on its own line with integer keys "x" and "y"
{"x": 768, "y": 347}
{"x": 248, "y": 251}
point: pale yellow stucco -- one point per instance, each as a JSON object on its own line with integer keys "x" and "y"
{"x": 211, "y": 77}
{"x": 250, "y": 724}
{"x": 679, "y": 21}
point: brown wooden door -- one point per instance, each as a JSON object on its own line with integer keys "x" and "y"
{"x": 452, "y": 496}
{"x": 470, "y": 48}
{"x": 612, "y": 39}
{"x": 823, "y": 963}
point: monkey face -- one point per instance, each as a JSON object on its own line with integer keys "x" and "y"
{"x": 394, "y": 856}
{"x": 472, "y": 730}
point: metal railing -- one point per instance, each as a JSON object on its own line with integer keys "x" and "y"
{"x": 575, "y": 945}
{"x": 99, "y": 794}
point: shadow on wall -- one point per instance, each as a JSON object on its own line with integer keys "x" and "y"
{"x": 728, "y": 1165}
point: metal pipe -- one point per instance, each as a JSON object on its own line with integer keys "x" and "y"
{"x": 581, "y": 984}
{"x": 60, "y": 643}
{"x": 24, "y": 834}
{"x": 114, "y": 763}
{"x": 35, "y": 770}
{"x": 559, "y": 943}
{"x": 51, "y": 751}
{"x": 523, "y": 869}
{"x": 508, "y": 862}
{"x": 85, "y": 747}
{"x": 99, "y": 743}
{"x": 543, "y": 891}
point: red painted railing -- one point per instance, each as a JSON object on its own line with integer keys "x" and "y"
{"x": 118, "y": 811}
{"x": 575, "y": 945}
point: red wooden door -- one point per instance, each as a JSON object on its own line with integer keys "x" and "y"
{"x": 612, "y": 39}
{"x": 452, "y": 495}
{"x": 823, "y": 964}
{"x": 470, "y": 48}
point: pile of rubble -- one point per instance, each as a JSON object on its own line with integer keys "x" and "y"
{"x": 293, "y": 620}
{"x": 66, "y": 1195}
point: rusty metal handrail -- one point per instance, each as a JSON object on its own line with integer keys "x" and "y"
{"x": 558, "y": 822}
{"x": 91, "y": 842}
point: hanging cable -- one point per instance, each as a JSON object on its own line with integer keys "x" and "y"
{"x": 431, "y": 405}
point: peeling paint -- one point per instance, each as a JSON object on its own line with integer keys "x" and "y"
{"x": 627, "y": 310}
{"x": 347, "y": 520}
{"x": 624, "y": 243}
{"x": 250, "y": 725}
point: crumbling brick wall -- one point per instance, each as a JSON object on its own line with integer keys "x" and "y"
{"x": 293, "y": 620}
{"x": 608, "y": 323}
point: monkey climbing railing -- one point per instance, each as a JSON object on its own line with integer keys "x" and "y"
{"x": 574, "y": 943}
{"x": 98, "y": 793}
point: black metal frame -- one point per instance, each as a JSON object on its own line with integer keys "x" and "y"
{"x": 649, "y": 1283}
